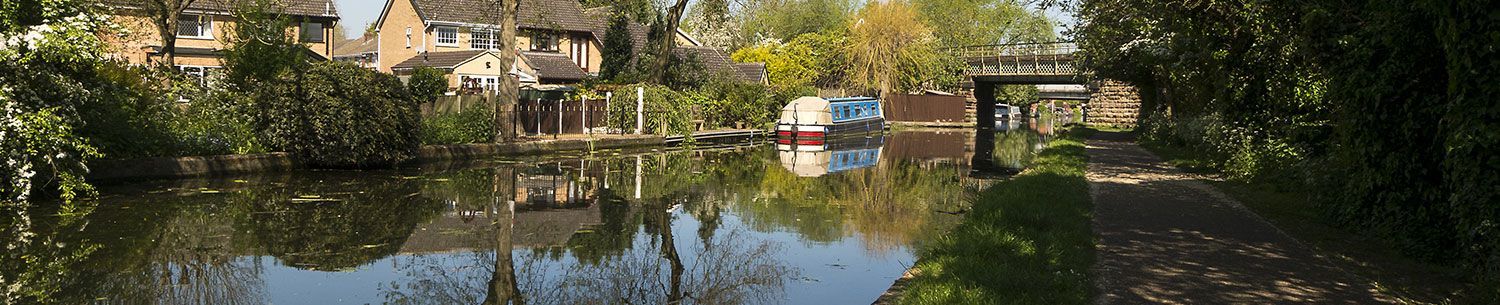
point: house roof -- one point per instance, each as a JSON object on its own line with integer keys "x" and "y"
{"x": 754, "y": 72}
{"x": 554, "y": 66}
{"x": 638, "y": 31}
{"x": 564, "y": 15}
{"x": 443, "y": 60}
{"x": 355, "y": 47}
{"x": 313, "y": 8}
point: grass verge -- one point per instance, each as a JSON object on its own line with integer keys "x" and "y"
{"x": 1291, "y": 210}
{"x": 1028, "y": 240}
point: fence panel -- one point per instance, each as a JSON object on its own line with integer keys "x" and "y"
{"x": 924, "y": 108}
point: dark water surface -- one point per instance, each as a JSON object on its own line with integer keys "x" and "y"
{"x": 712, "y": 225}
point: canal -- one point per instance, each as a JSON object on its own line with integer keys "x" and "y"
{"x": 716, "y": 224}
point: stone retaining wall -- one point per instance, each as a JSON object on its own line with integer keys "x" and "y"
{"x": 1115, "y": 104}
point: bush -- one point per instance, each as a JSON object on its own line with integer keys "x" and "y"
{"x": 217, "y": 122}
{"x": 666, "y": 111}
{"x": 731, "y": 102}
{"x": 427, "y": 84}
{"x": 475, "y": 124}
{"x": 338, "y": 115}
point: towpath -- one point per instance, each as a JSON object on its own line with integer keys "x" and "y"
{"x": 1168, "y": 238}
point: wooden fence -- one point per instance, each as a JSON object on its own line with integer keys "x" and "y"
{"x": 924, "y": 108}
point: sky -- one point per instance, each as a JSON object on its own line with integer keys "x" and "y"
{"x": 356, "y": 14}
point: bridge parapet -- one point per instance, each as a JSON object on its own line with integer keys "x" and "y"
{"x": 1052, "y": 61}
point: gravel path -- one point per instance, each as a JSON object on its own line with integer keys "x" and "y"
{"x": 1166, "y": 237}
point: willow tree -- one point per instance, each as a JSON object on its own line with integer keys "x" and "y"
{"x": 886, "y": 42}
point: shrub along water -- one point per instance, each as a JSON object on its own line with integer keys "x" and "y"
{"x": 339, "y": 115}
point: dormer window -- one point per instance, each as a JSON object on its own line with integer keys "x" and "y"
{"x": 544, "y": 42}
{"x": 195, "y": 26}
{"x": 447, "y": 36}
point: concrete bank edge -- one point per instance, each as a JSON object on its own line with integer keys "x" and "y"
{"x": 167, "y": 167}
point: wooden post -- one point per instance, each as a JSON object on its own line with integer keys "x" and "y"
{"x": 607, "y": 97}
{"x": 585, "y": 113}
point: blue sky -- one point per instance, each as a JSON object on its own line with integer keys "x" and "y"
{"x": 355, "y": 14}
{"x": 358, "y": 13}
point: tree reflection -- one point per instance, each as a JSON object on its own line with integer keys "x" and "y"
{"x": 651, "y": 267}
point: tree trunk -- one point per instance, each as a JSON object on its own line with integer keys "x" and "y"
{"x": 503, "y": 289}
{"x": 509, "y": 91}
{"x": 664, "y": 47}
{"x": 167, "y": 27}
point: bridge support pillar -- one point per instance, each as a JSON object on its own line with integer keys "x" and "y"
{"x": 984, "y": 104}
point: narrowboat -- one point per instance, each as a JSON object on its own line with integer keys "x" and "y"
{"x": 843, "y": 154}
{"x": 811, "y": 120}
{"x": 1007, "y": 112}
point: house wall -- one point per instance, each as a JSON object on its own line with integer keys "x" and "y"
{"x": 141, "y": 34}
{"x": 393, "y": 47}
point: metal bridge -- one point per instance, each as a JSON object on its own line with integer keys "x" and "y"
{"x": 1021, "y": 63}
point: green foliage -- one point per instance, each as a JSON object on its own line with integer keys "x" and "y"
{"x": 216, "y": 122}
{"x": 260, "y": 49}
{"x": 338, "y": 115}
{"x": 427, "y": 84}
{"x": 1385, "y": 107}
{"x": 475, "y": 124}
{"x": 667, "y": 112}
{"x": 730, "y": 102}
{"x": 618, "y": 48}
{"x": 784, "y": 20}
{"x": 965, "y": 22}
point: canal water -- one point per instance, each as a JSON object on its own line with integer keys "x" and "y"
{"x": 716, "y": 224}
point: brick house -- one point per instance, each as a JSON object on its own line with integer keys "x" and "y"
{"x": 204, "y": 28}
{"x": 556, "y": 41}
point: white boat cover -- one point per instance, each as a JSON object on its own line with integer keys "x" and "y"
{"x": 806, "y": 163}
{"x": 807, "y": 110}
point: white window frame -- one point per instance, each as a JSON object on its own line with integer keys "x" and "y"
{"x": 205, "y": 26}
{"x": 580, "y": 52}
{"x": 438, "y": 34}
{"x": 475, "y": 41}
{"x": 488, "y": 82}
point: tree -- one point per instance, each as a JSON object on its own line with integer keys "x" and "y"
{"x": 427, "y": 83}
{"x": 166, "y": 14}
{"x": 783, "y": 20}
{"x": 884, "y": 39}
{"x": 618, "y": 47}
{"x": 666, "y": 42}
{"x": 504, "y": 14}
{"x": 984, "y": 22}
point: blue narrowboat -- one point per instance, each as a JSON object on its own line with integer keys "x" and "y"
{"x": 810, "y": 120}
{"x": 842, "y": 154}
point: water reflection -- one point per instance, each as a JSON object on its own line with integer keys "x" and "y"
{"x": 725, "y": 225}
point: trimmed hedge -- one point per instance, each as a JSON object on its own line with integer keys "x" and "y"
{"x": 338, "y": 115}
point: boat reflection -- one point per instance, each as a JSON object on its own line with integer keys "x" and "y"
{"x": 836, "y": 155}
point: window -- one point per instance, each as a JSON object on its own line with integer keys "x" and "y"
{"x": 447, "y": 36}
{"x": 477, "y": 83}
{"x": 408, "y": 37}
{"x": 195, "y": 26}
{"x": 580, "y": 52}
{"x": 483, "y": 39}
{"x": 544, "y": 42}
{"x": 312, "y": 32}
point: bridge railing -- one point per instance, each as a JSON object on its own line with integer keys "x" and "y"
{"x": 1024, "y": 59}
{"x": 1016, "y": 49}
